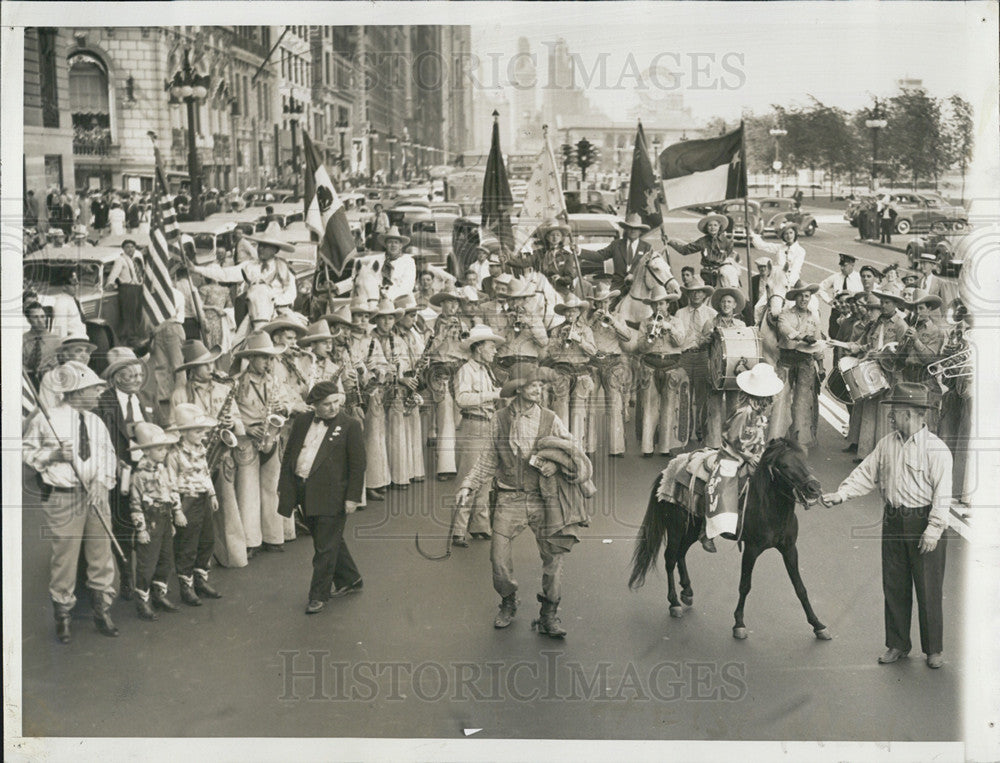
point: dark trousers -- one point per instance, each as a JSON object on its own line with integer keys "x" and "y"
{"x": 154, "y": 560}
{"x": 193, "y": 545}
{"x": 122, "y": 528}
{"x": 904, "y": 569}
{"x": 130, "y": 307}
{"x": 332, "y": 560}
{"x": 886, "y": 226}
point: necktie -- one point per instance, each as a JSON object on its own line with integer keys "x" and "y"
{"x": 84, "y": 439}
{"x": 35, "y": 357}
{"x": 129, "y": 415}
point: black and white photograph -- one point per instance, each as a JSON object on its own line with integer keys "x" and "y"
{"x": 500, "y": 380}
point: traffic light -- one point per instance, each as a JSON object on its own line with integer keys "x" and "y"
{"x": 587, "y": 154}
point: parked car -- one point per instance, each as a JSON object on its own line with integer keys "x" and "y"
{"x": 591, "y": 201}
{"x": 430, "y": 233}
{"x": 777, "y": 212}
{"x": 734, "y": 210}
{"x": 209, "y": 237}
{"x": 592, "y": 233}
{"x": 917, "y": 212}
{"x": 942, "y": 241}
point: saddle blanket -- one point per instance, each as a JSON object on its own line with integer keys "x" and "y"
{"x": 683, "y": 480}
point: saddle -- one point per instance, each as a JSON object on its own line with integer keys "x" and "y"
{"x": 683, "y": 481}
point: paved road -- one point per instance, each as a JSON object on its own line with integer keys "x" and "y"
{"x": 415, "y": 655}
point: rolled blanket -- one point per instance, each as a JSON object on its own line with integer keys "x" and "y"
{"x": 579, "y": 470}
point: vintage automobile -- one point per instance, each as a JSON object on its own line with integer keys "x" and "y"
{"x": 430, "y": 233}
{"x": 777, "y": 212}
{"x": 943, "y": 242}
{"x": 210, "y": 237}
{"x": 590, "y": 202}
{"x": 918, "y": 211}
{"x": 735, "y": 212}
{"x": 592, "y": 233}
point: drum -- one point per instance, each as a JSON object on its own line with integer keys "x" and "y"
{"x": 732, "y": 351}
{"x": 864, "y": 379}
{"x": 838, "y": 387}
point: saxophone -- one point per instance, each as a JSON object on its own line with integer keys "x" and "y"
{"x": 221, "y": 439}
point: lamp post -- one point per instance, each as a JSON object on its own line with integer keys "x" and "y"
{"x": 392, "y": 144}
{"x": 342, "y": 131}
{"x": 294, "y": 110}
{"x": 875, "y": 124}
{"x": 190, "y": 87}
{"x": 370, "y": 133}
{"x": 777, "y": 133}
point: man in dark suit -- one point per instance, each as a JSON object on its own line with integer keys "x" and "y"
{"x": 626, "y": 252}
{"x": 757, "y": 283}
{"x": 323, "y": 472}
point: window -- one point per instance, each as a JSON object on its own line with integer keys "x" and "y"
{"x": 89, "y": 104}
{"x": 47, "y": 76}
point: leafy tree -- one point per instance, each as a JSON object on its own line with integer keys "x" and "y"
{"x": 913, "y": 135}
{"x": 958, "y": 135}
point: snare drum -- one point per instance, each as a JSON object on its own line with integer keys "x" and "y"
{"x": 864, "y": 380}
{"x": 732, "y": 351}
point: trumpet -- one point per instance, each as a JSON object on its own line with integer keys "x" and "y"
{"x": 604, "y": 318}
{"x": 656, "y": 328}
{"x": 519, "y": 324}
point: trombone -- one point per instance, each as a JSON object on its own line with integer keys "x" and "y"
{"x": 956, "y": 365}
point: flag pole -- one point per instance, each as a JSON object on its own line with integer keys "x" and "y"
{"x": 746, "y": 206}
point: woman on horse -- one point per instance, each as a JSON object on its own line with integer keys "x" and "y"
{"x": 715, "y": 248}
{"x": 790, "y": 256}
{"x": 743, "y": 442}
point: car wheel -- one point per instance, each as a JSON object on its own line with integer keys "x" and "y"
{"x": 903, "y": 227}
{"x": 810, "y": 229}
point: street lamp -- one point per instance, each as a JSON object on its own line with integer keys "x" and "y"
{"x": 777, "y": 133}
{"x": 189, "y": 86}
{"x": 392, "y": 144}
{"x": 342, "y": 131}
{"x": 294, "y": 110}
{"x": 875, "y": 124}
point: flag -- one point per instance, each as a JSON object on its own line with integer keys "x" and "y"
{"x": 543, "y": 198}
{"x": 642, "y": 189}
{"x": 29, "y": 401}
{"x": 704, "y": 171}
{"x": 324, "y": 212}
{"x": 157, "y": 285}
{"x": 497, "y": 200}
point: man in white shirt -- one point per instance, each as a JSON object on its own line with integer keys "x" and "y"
{"x": 846, "y": 280}
{"x": 399, "y": 271}
{"x": 67, "y": 312}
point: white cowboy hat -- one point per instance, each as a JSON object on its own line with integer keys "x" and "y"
{"x": 393, "y": 233}
{"x": 149, "y": 435}
{"x": 659, "y": 294}
{"x": 277, "y": 243}
{"x": 190, "y": 416}
{"x": 792, "y": 294}
{"x": 603, "y": 291}
{"x": 258, "y": 343}
{"x": 572, "y": 302}
{"x": 284, "y": 323}
{"x": 736, "y": 294}
{"x": 407, "y": 303}
{"x": 722, "y": 220}
{"x": 317, "y": 332}
{"x": 550, "y": 225}
{"x": 698, "y": 285}
{"x": 518, "y": 287}
{"x": 480, "y": 333}
{"x": 386, "y": 307}
{"x": 449, "y": 292}
{"x": 760, "y": 381}
{"x": 72, "y": 376}
{"x": 633, "y": 221}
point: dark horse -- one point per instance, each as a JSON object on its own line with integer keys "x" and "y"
{"x": 769, "y": 521}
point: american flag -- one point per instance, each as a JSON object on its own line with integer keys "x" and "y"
{"x": 158, "y": 288}
{"x": 29, "y": 401}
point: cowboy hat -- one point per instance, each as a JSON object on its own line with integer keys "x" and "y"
{"x": 317, "y": 332}
{"x": 480, "y": 333}
{"x": 921, "y": 297}
{"x": 698, "y": 285}
{"x": 572, "y": 302}
{"x": 911, "y": 275}
{"x": 660, "y": 294}
{"x": 885, "y": 295}
{"x": 603, "y": 291}
{"x": 526, "y": 374}
{"x": 284, "y": 323}
{"x": 550, "y": 225}
{"x": 190, "y": 416}
{"x": 722, "y": 220}
{"x": 393, "y": 234}
{"x": 801, "y": 288}
{"x": 736, "y": 294}
{"x": 760, "y": 381}
{"x": 118, "y": 358}
{"x": 195, "y": 353}
{"x": 72, "y": 376}
{"x": 909, "y": 394}
{"x": 386, "y": 307}
{"x": 277, "y": 243}
{"x": 149, "y": 435}
{"x": 407, "y": 303}
{"x": 78, "y": 339}
{"x": 258, "y": 343}
{"x": 519, "y": 288}
{"x": 449, "y": 292}
{"x": 632, "y": 220}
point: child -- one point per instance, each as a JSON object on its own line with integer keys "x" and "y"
{"x": 153, "y": 499}
{"x": 187, "y": 468}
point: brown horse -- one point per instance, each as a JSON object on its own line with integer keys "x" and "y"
{"x": 769, "y": 521}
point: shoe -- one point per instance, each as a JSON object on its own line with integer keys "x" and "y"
{"x": 418, "y": 480}
{"x": 616, "y": 455}
{"x": 852, "y": 448}
{"x": 202, "y": 588}
{"x": 508, "y": 608}
{"x": 105, "y": 625}
{"x": 376, "y": 495}
{"x": 273, "y": 548}
{"x": 892, "y": 655}
{"x": 143, "y": 609}
{"x": 709, "y": 545}
{"x": 355, "y": 587}
{"x": 315, "y": 605}
{"x": 188, "y": 596}
{"x": 252, "y": 552}
{"x": 481, "y": 536}
{"x": 935, "y": 660}
{"x": 647, "y": 455}
{"x": 63, "y": 623}
{"x": 160, "y": 601}
{"x": 547, "y": 622}
{"x": 458, "y": 540}
{"x": 399, "y": 486}
{"x": 446, "y": 477}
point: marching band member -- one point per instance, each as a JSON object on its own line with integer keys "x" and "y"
{"x": 728, "y": 303}
{"x": 691, "y": 322}
{"x": 445, "y": 351}
{"x": 293, "y": 366}
{"x": 526, "y": 336}
{"x": 661, "y": 384}
{"x": 476, "y": 393}
{"x": 846, "y": 280}
{"x": 399, "y": 271}
{"x": 955, "y": 422}
{"x": 866, "y": 309}
{"x": 610, "y": 370}
{"x": 570, "y": 348}
{"x": 542, "y": 295}
{"x": 385, "y": 417}
{"x": 713, "y": 246}
{"x": 922, "y": 344}
{"x": 798, "y": 333}
{"x": 413, "y": 338}
{"x": 790, "y": 256}
{"x": 214, "y": 396}
{"x": 317, "y": 342}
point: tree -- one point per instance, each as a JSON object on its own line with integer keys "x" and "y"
{"x": 913, "y": 135}
{"x": 958, "y": 135}
{"x": 587, "y": 154}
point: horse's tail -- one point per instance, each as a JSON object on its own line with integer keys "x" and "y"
{"x": 650, "y": 538}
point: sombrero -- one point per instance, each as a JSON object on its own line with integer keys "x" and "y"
{"x": 480, "y": 333}
{"x": 801, "y": 288}
{"x": 148, "y": 435}
{"x": 921, "y": 297}
{"x": 195, "y": 353}
{"x": 317, "y": 332}
{"x": 277, "y": 243}
{"x": 572, "y": 302}
{"x": 633, "y": 220}
{"x": 258, "y": 343}
{"x": 760, "y": 381}
{"x": 722, "y": 220}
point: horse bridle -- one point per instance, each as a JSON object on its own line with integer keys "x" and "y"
{"x": 796, "y": 494}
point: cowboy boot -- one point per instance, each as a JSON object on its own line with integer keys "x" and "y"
{"x": 547, "y": 622}
{"x": 508, "y": 608}
{"x": 160, "y": 600}
{"x": 63, "y": 621}
{"x": 142, "y": 607}
{"x": 188, "y": 596}
{"x": 202, "y": 587}
{"x": 127, "y": 589}
{"x": 102, "y": 615}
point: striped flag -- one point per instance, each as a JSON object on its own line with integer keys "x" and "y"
{"x": 325, "y": 213}
{"x": 158, "y": 287}
{"x": 29, "y": 400}
{"x": 543, "y": 198}
{"x": 704, "y": 171}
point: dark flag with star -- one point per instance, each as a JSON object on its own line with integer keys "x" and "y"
{"x": 704, "y": 171}
{"x": 497, "y": 200}
{"x": 643, "y": 192}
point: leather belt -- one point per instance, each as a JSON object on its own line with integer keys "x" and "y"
{"x": 475, "y": 416}
{"x": 56, "y": 489}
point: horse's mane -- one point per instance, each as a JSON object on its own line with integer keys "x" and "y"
{"x": 763, "y": 480}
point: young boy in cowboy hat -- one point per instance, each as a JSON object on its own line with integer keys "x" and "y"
{"x": 570, "y": 348}
{"x": 153, "y": 499}
{"x": 728, "y": 303}
{"x": 714, "y": 247}
{"x": 187, "y": 470}
{"x": 609, "y": 368}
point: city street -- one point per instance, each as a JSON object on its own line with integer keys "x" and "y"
{"x": 416, "y": 655}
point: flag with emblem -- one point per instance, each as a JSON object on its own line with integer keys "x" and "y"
{"x": 325, "y": 214}
{"x": 157, "y": 285}
{"x": 543, "y": 198}
{"x": 497, "y": 200}
{"x": 643, "y": 192}
{"x": 704, "y": 171}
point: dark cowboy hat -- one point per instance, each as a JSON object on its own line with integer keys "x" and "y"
{"x": 909, "y": 394}
{"x": 526, "y": 374}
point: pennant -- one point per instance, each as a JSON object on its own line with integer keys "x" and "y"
{"x": 497, "y": 200}
{"x": 325, "y": 214}
{"x": 643, "y": 191}
{"x": 704, "y": 171}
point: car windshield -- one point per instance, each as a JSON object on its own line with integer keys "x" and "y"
{"x": 41, "y": 273}
{"x": 204, "y": 241}
{"x": 769, "y": 205}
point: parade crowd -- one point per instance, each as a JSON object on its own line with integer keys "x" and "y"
{"x": 208, "y": 441}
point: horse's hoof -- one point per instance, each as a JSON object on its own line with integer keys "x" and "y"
{"x": 688, "y": 600}
{"x": 823, "y": 634}
{"x": 676, "y": 612}
{"x": 740, "y": 633}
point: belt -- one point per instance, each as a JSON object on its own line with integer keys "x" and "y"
{"x": 475, "y": 416}
{"x": 693, "y": 351}
{"x": 793, "y": 356}
{"x": 510, "y": 490}
{"x": 661, "y": 355}
{"x": 56, "y": 489}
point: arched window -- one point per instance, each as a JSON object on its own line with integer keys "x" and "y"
{"x": 90, "y": 104}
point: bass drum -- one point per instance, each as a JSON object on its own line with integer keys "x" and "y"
{"x": 731, "y": 352}
{"x": 837, "y": 387}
